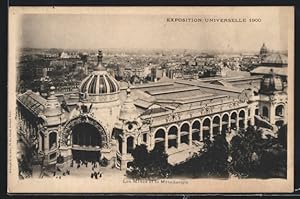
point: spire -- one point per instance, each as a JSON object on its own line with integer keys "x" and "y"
{"x": 128, "y": 109}
{"x": 100, "y": 66}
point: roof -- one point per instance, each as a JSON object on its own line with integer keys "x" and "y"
{"x": 266, "y": 70}
{"x": 142, "y": 103}
{"x": 211, "y": 86}
{"x": 33, "y": 102}
{"x": 276, "y": 58}
{"x": 221, "y": 82}
{"x": 163, "y": 91}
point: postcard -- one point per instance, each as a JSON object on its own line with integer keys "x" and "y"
{"x": 151, "y": 100}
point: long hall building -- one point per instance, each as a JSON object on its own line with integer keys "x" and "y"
{"x": 104, "y": 119}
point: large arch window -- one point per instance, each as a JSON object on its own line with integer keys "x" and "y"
{"x": 196, "y": 130}
{"x": 206, "y": 128}
{"x": 184, "y": 133}
{"x": 233, "y": 120}
{"x": 216, "y": 125}
{"x": 52, "y": 140}
{"x": 160, "y": 137}
{"x": 225, "y": 122}
{"x": 242, "y": 119}
{"x": 172, "y": 137}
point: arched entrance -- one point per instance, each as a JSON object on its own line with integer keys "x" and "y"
{"x": 86, "y": 137}
{"x": 86, "y": 142}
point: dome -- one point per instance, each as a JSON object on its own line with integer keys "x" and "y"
{"x": 275, "y": 59}
{"x": 263, "y": 49}
{"x": 99, "y": 82}
{"x": 128, "y": 109}
{"x": 271, "y": 83}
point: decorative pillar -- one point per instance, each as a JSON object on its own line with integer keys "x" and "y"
{"x": 285, "y": 114}
{"x": 272, "y": 113}
{"x": 252, "y": 114}
{"x": 124, "y": 146}
{"x": 237, "y": 122}
{"x": 40, "y": 141}
{"x": 135, "y": 141}
{"x": 178, "y": 138}
{"x": 220, "y": 127}
{"x": 246, "y": 120}
{"x": 211, "y": 130}
{"x": 201, "y": 131}
{"x": 150, "y": 141}
{"x": 46, "y": 143}
{"x": 166, "y": 141}
{"x": 190, "y": 136}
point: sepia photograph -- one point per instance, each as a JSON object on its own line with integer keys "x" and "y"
{"x": 150, "y": 99}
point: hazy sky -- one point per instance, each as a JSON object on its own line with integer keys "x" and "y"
{"x": 93, "y": 31}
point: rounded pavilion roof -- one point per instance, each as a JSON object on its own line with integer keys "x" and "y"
{"x": 99, "y": 82}
{"x": 271, "y": 83}
{"x": 275, "y": 58}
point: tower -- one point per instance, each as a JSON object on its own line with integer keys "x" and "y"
{"x": 273, "y": 99}
{"x": 127, "y": 132}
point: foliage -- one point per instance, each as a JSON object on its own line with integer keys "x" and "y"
{"x": 253, "y": 156}
{"x": 210, "y": 163}
{"x": 153, "y": 164}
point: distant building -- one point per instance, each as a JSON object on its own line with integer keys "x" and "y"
{"x": 263, "y": 51}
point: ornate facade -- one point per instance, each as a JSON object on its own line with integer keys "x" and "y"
{"x": 104, "y": 120}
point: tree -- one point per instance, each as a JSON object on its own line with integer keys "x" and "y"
{"x": 153, "y": 164}
{"x": 211, "y": 161}
{"x": 253, "y": 156}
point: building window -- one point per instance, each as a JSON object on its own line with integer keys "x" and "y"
{"x": 120, "y": 144}
{"x": 265, "y": 112}
{"x": 279, "y": 110}
{"x": 145, "y": 137}
{"x": 52, "y": 156}
{"x": 42, "y": 141}
{"x": 130, "y": 144}
{"x": 256, "y": 111}
{"x": 52, "y": 140}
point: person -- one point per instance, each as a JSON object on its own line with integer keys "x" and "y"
{"x": 96, "y": 175}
